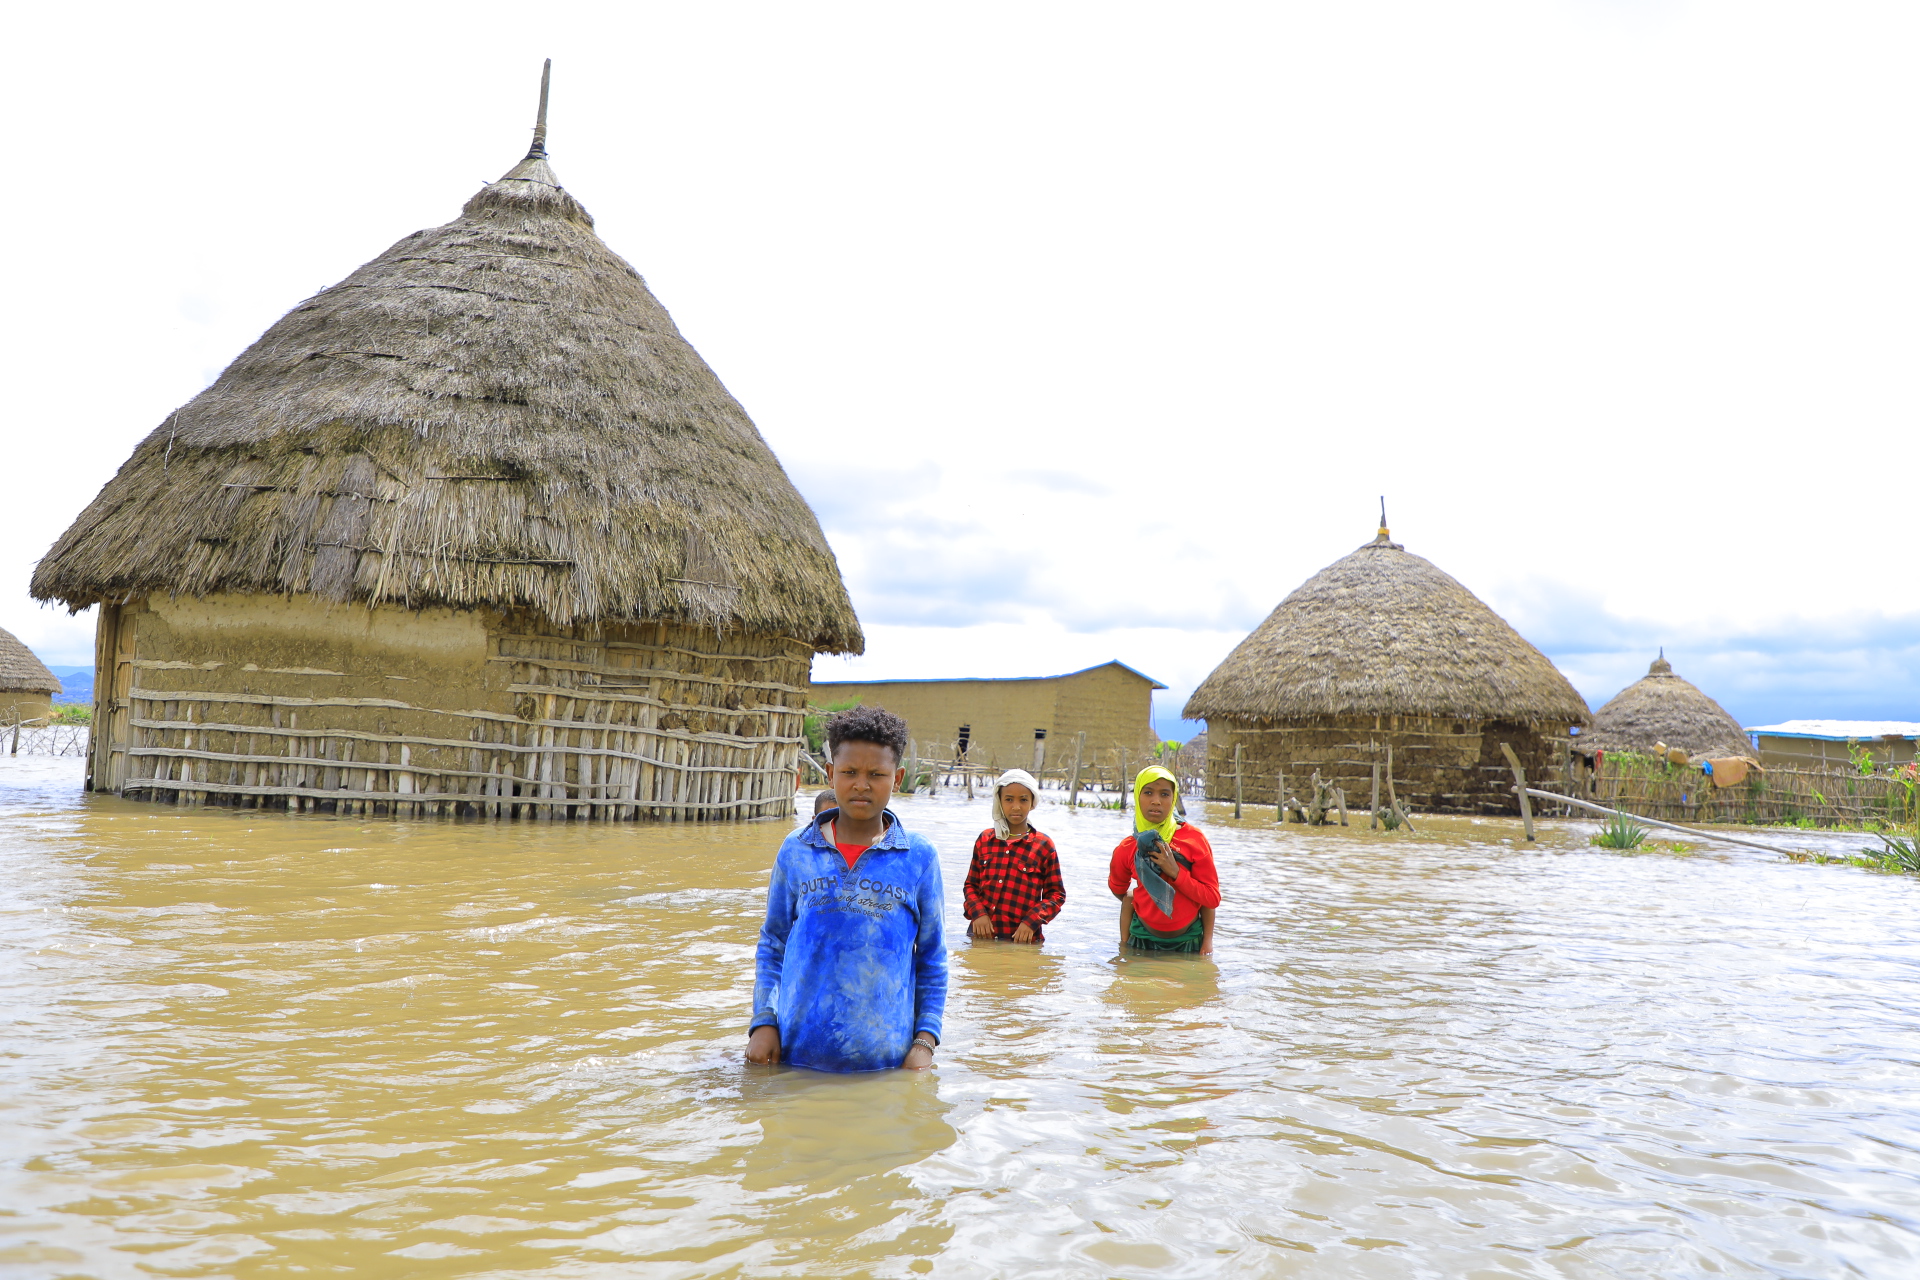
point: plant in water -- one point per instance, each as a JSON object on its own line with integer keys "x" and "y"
{"x": 1389, "y": 818}
{"x": 1620, "y": 832}
{"x": 1902, "y": 853}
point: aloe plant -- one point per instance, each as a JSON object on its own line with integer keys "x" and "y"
{"x": 1901, "y": 853}
{"x": 1621, "y": 831}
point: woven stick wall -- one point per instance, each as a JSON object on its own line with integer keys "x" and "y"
{"x": 647, "y": 720}
{"x": 1438, "y": 764}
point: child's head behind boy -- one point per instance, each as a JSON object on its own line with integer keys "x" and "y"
{"x": 864, "y": 750}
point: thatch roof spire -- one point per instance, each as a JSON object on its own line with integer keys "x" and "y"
{"x": 1660, "y": 707}
{"x": 538, "y": 151}
{"x": 1382, "y": 632}
{"x": 496, "y": 412}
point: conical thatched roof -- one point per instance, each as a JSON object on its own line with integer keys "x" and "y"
{"x": 20, "y": 670}
{"x": 1661, "y": 707}
{"x": 492, "y": 412}
{"x": 1384, "y": 632}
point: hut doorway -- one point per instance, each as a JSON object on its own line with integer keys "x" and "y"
{"x": 115, "y": 642}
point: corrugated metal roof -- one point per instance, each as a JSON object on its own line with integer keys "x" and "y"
{"x": 1839, "y": 730}
{"x": 996, "y": 679}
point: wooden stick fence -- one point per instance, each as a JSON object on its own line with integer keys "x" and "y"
{"x": 1820, "y": 797}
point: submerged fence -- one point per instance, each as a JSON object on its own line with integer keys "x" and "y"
{"x": 26, "y": 739}
{"x": 1815, "y": 797}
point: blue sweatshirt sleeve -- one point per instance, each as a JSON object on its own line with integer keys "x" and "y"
{"x": 773, "y": 946}
{"x": 929, "y": 948}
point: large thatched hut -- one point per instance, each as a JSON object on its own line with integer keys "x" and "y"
{"x": 1381, "y": 649}
{"x": 474, "y": 531}
{"x": 27, "y": 688}
{"x": 1659, "y": 709}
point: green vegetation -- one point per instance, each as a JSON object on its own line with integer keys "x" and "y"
{"x": 816, "y": 722}
{"x": 1861, "y": 757}
{"x": 71, "y": 713}
{"x": 1898, "y": 855}
{"x": 1389, "y": 818}
{"x": 1620, "y": 832}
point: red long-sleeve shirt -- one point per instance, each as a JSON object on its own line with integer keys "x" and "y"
{"x": 1015, "y": 881}
{"x": 1196, "y": 886}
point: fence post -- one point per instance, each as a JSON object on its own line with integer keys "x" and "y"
{"x": 1393, "y": 797}
{"x": 1236, "y": 779}
{"x": 1280, "y": 796}
{"x": 1126, "y": 779}
{"x": 1073, "y": 788}
{"x": 1373, "y": 810}
{"x": 1520, "y": 788}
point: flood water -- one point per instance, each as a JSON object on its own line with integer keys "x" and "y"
{"x": 260, "y": 1045}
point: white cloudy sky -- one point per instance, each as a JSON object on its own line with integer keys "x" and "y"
{"x": 1090, "y": 330}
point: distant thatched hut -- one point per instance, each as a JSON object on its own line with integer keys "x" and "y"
{"x": 1658, "y": 708}
{"x": 474, "y": 531}
{"x": 1382, "y": 649}
{"x": 27, "y": 688}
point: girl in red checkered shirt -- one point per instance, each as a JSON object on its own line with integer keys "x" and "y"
{"x": 1014, "y": 885}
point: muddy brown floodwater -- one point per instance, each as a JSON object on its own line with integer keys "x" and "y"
{"x": 260, "y": 1045}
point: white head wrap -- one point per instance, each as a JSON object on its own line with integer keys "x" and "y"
{"x": 1025, "y": 779}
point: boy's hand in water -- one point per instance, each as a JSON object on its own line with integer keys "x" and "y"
{"x": 763, "y": 1046}
{"x": 1024, "y": 933}
{"x": 982, "y": 926}
{"x": 919, "y": 1055}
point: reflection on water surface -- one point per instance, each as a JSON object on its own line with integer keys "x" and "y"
{"x": 253, "y": 1045}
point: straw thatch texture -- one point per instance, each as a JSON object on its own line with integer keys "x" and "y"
{"x": 21, "y": 671}
{"x": 1662, "y": 707}
{"x": 1382, "y": 632}
{"x": 494, "y": 412}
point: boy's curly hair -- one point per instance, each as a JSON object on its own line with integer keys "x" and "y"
{"x": 868, "y": 724}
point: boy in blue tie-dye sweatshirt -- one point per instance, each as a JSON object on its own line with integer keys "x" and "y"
{"x": 852, "y": 965}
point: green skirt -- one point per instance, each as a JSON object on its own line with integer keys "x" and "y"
{"x": 1142, "y": 938}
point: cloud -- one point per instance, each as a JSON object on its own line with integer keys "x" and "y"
{"x": 1858, "y": 664}
{"x": 1651, "y": 386}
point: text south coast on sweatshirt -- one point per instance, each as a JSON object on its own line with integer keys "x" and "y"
{"x": 853, "y": 960}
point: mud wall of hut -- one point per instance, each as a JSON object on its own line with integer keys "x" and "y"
{"x": 269, "y": 702}
{"x": 1000, "y": 715}
{"x": 24, "y": 704}
{"x": 1112, "y": 706}
{"x": 1438, "y": 765}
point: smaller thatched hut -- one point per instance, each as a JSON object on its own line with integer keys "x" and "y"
{"x": 1382, "y": 652}
{"x": 1661, "y": 708}
{"x": 27, "y": 688}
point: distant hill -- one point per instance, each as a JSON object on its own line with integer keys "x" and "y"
{"x": 76, "y": 683}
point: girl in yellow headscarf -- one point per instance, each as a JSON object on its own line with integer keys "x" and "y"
{"x": 1169, "y": 866}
